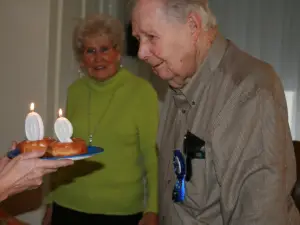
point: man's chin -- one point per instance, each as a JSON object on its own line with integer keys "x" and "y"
{"x": 173, "y": 84}
{"x": 173, "y": 80}
{"x": 164, "y": 75}
{"x": 177, "y": 82}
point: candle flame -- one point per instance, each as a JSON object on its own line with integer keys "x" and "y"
{"x": 32, "y": 107}
{"x": 60, "y": 113}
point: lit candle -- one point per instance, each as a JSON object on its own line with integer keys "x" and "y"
{"x": 63, "y": 128}
{"x": 34, "y": 127}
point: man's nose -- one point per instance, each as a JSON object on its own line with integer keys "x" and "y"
{"x": 144, "y": 51}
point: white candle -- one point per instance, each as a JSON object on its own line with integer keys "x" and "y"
{"x": 63, "y": 128}
{"x": 34, "y": 127}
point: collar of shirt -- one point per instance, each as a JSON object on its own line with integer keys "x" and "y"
{"x": 184, "y": 98}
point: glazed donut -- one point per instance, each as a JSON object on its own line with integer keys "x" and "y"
{"x": 58, "y": 149}
{"x": 40, "y": 145}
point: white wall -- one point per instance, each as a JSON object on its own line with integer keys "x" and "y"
{"x": 24, "y": 48}
{"x": 36, "y": 65}
{"x": 24, "y": 61}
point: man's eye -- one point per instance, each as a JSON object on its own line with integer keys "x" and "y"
{"x": 90, "y": 50}
{"x": 150, "y": 37}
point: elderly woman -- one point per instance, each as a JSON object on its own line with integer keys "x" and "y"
{"x": 114, "y": 109}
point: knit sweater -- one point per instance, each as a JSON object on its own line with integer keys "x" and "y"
{"x": 123, "y": 119}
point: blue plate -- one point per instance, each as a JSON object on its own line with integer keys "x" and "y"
{"x": 92, "y": 150}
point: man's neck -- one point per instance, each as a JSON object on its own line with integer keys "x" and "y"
{"x": 203, "y": 48}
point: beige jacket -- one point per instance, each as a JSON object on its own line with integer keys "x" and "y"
{"x": 236, "y": 104}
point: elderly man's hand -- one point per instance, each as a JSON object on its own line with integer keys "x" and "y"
{"x": 149, "y": 218}
{"x": 26, "y": 171}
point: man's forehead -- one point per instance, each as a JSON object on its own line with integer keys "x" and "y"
{"x": 148, "y": 10}
{"x": 137, "y": 2}
{"x": 147, "y": 6}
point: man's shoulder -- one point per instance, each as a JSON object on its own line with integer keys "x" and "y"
{"x": 243, "y": 78}
{"x": 248, "y": 72}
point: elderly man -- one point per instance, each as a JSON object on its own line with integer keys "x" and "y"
{"x": 226, "y": 154}
{"x": 25, "y": 172}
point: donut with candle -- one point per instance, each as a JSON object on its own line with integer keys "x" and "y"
{"x": 65, "y": 146}
{"x": 34, "y": 129}
{"x": 39, "y": 145}
{"x": 59, "y": 149}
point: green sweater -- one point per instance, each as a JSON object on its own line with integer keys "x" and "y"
{"x": 124, "y": 116}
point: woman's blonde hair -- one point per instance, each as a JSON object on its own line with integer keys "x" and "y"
{"x": 97, "y": 25}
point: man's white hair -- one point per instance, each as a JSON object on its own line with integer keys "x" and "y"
{"x": 180, "y": 9}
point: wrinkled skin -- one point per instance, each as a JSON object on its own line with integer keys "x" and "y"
{"x": 25, "y": 172}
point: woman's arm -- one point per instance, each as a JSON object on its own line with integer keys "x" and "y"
{"x": 147, "y": 122}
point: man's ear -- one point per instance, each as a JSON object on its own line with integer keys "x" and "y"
{"x": 195, "y": 24}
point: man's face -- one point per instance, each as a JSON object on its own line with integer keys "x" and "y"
{"x": 166, "y": 44}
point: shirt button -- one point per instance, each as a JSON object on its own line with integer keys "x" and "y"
{"x": 183, "y": 111}
{"x": 169, "y": 181}
{"x": 193, "y": 103}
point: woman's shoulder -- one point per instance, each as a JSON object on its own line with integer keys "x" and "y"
{"x": 77, "y": 84}
{"x": 137, "y": 82}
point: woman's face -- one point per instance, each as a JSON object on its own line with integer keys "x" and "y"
{"x": 100, "y": 58}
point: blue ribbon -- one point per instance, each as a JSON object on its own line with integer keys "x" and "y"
{"x": 180, "y": 172}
